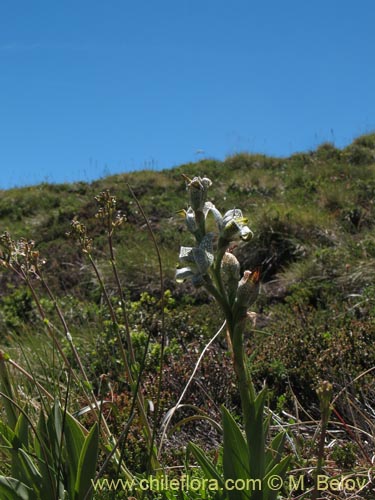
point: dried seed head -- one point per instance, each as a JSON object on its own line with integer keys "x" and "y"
{"x": 107, "y": 204}
{"x": 79, "y": 233}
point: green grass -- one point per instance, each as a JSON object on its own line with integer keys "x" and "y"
{"x": 313, "y": 220}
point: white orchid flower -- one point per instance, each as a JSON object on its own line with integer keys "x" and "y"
{"x": 200, "y": 259}
{"x": 233, "y": 226}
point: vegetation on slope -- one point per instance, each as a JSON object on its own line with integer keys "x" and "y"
{"x": 314, "y": 242}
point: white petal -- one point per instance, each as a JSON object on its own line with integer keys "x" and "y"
{"x": 206, "y": 182}
{"x": 235, "y": 213}
{"x": 210, "y": 207}
{"x": 186, "y": 254}
{"x": 183, "y": 274}
{"x": 190, "y": 220}
{"x": 246, "y": 233}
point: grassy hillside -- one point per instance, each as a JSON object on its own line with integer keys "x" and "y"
{"x": 312, "y": 216}
{"x": 312, "y": 200}
{"x": 314, "y": 242}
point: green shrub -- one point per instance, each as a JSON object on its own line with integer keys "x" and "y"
{"x": 345, "y": 455}
{"x": 17, "y": 308}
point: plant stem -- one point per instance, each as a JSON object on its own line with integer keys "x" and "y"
{"x": 119, "y": 289}
{"x": 320, "y": 462}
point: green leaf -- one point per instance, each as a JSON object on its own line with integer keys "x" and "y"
{"x": 278, "y": 470}
{"x": 17, "y": 468}
{"x": 207, "y": 466}
{"x": 7, "y": 435}
{"x": 54, "y": 428}
{"x": 273, "y": 454}
{"x": 235, "y": 455}
{"x": 45, "y": 459}
{"x": 24, "y": 469}
{"x": 22, "y": 430}
{"x": 36, "y": 472}
{"x": 256, "y": 436}
{"x": 12, "y": 489}
{"x": 87, "y": 385}
{"x": 41, "y": 441}
{"x": 87, "y": 464}
{"x": 6, "y": 388}
{"x": 74, "y": 439}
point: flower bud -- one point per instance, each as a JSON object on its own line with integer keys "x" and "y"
{"x": 248, "y": 289}
{"x": 230, "y": 274}
{"x": 198, "y": 188}
{"x": 325, "y": 392}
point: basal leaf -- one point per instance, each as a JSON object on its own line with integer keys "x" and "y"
{"x": 235, "y": 456}
{"x": 12, "y": 489}
{"x": 74, "y": 439}
{"x": 87, "y": 464}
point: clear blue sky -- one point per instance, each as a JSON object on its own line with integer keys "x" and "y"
{"x": 89, "y": 88}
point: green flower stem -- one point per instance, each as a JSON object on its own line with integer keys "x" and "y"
{"x": 320, "y": 463}
{"x": 221, "y": 299}
{"x": 246, "y": 387}
{"x": 324, "y": 392}
{"x": 217, "y": 288}
{"x": 252, "y": 410}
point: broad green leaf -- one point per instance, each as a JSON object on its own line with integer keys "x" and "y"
{"x": 24, "y": 469}
{"x": 41, "y": 442}
{"x": 207, "y": 466}
{"x": 256, "y": 437}
{"x": 87, "y": 464}
{"x": 273, "y": 454}
{"x": 7, "y": 435}
{"x": 49, "y": 480}
{"x": 57, "y": 418}
{"x": 22, "y": 430}
{"x": 54, "y": 427}
{"x": 74, "y": 439}
{"x": 215, "y": 479}
{"x": 47, "y": 454}
{"x": 12, "y": 489}
{"x": 42, "y": 479}
{"x": 235, "y": 455}
{"x": 260, "y": 401}
{"x": 17, "y": 469}
{"x": 278, "y": 470}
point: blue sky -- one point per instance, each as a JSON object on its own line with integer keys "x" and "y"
{"x": 89, "y": 88}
